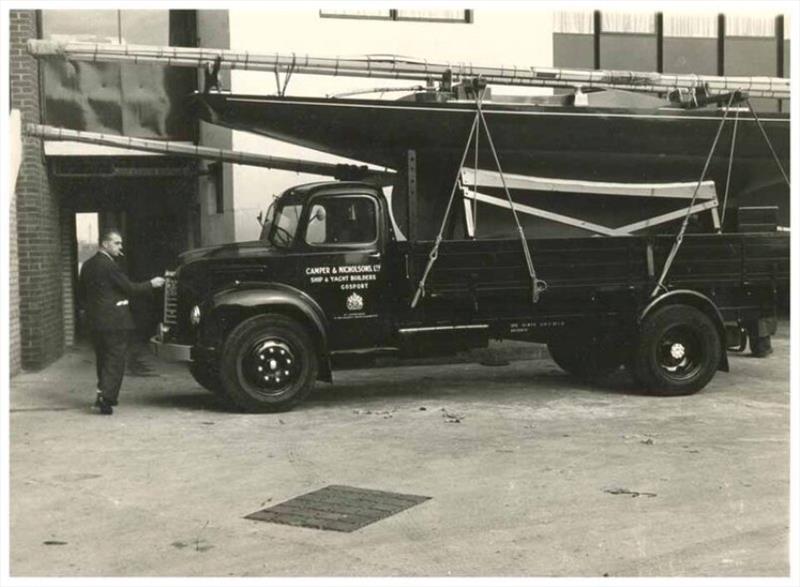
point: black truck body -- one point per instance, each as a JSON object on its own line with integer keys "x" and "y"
{"x": 259, "y": 321}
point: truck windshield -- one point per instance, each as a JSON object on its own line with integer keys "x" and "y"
{"x": 281, "y": 224}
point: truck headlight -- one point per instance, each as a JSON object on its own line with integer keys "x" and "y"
{"x": 194, "y": 316}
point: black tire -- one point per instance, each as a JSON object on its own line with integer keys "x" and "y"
{"x": 630, "y": 368}
{"x": 586, "y": 358}
{"x": 679, "y": 351}
{"x": 269, "y": 364}
{"x": 208, "y": 377}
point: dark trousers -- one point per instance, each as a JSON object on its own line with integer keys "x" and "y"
{"x": 110, "y": 349}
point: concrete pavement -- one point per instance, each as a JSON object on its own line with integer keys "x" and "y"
{"x": 529, "y": 474}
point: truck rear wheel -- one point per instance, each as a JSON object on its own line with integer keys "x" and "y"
{"x": 585, "y": 358}
{"x": 679, "y": 351}
{"x": 268, "y": 364}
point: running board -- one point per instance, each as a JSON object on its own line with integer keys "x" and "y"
{"x": 406, "y": 331}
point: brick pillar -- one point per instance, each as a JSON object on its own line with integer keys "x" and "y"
{"x": 14, "y": 342}
{"x": 69, "y": 272}
{"x": 37, "y": 214}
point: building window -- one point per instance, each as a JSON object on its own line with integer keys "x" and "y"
{"x": 751, "y": 48}
{"x": 628, "y": 41}
{"x": 627, "y": 22}
{"x": 573, "y": 39}
{"x": 368, "y": 14}
{"x": 455, "y": 16}
{"x": 144, "y": 27}
{"x": 464, "y": 16}
{"x": 691, "y": 43}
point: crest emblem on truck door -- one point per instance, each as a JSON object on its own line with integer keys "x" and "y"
{"x": 355, "y": 302}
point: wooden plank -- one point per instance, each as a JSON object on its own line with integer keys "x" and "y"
{"x": 489, "y": 178}
{"x": 538, "y": 212}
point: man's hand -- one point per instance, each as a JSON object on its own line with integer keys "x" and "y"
{"x": 157, "y": 282}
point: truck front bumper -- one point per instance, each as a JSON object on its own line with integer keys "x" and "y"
{"x": 170, "y": 351}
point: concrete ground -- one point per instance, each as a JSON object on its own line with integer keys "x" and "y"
{"x": 529, "y": 474}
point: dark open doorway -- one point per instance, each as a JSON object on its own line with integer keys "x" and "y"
{"x": 151, "y": 201}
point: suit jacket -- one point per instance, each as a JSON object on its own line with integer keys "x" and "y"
{"x": 105, "y": 292}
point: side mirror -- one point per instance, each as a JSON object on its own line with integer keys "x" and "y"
{"x": 318, "y": 214}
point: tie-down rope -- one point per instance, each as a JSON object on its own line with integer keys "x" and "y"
{"x": 537, "y": 285}
{"x": 679, "y": 239}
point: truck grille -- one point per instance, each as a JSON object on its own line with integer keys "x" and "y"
{"x": 170, "y": 298}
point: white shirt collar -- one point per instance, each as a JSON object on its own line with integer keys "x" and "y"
{"x": 106, "y": 253}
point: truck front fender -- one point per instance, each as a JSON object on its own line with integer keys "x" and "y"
{"x": 229, "y": 307}
{"x": 702, "y": 303}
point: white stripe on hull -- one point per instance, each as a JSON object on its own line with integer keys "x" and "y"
{"x": 488, "y": 110}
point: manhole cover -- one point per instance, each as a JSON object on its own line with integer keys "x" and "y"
{"x": 338, "y": 507}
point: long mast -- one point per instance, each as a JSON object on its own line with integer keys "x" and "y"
{"x": 393, "y": 67}
{"x": 178, "y": 149}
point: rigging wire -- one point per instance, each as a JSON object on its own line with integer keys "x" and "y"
{"x": 537, "y": 286}
{"x": 679, "y": 238}
{"x": 434, "y": 254}
{"x": 730, "y": 168}
{"x": 475, "y": 187}
{"x": 769, "y": 143}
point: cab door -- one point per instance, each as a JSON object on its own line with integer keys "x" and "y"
{"x": 343, "y": 269}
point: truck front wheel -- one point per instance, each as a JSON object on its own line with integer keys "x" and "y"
{"x": 268, "y": 364}
{"x": 679, "y": 351}
{"x": 208, "y": 377}
{"x": 205, "y": 376}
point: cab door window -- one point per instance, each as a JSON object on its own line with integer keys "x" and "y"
{"x": 342, "y": 220}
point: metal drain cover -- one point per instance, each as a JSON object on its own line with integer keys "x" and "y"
{"x": 338, "y": 507}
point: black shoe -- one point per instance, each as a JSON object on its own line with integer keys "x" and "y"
{"x": 104, "y": 405}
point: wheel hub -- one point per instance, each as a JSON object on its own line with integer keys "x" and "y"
{"x": 271, "y": 365}
{"x": 678, "y": 351}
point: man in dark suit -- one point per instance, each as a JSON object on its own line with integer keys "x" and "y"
{"x": 105, "y": 291}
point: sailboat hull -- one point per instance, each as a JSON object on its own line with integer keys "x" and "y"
{"x": 568, "y": 142}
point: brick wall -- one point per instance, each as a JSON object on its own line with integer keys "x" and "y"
{"x": 41, "y": 313}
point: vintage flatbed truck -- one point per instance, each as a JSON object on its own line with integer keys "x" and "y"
{"x": 258, "y": 322}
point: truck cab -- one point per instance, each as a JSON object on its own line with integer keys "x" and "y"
{"x": 320, "y": 265}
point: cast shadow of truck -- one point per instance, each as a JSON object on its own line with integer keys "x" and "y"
{"x": 530, "y": 382}
{"x": 519, "y": 382}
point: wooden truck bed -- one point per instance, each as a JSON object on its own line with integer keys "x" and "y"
{"x": 491, "y": 275}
